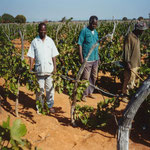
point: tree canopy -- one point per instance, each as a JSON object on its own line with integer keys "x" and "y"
{"x": 20, "y": 19}
{"x": 7, "y": 18}
{"x": 0, "y": 19}
{"x": 124, "y": 18}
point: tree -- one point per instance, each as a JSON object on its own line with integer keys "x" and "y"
{"x": 0, "y": 19}
{"x": 63, "y": 19}
{"x": 69, "y": 20}
{"x": 140, "y": 18}
{"x": 20, "y": 19}
{"x": 7, "y": 18}
{"x": 124, "y": 18}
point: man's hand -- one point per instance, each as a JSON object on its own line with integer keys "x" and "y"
{"x": 54, "y": 71}
{"x": 81, "y": 60}
{"x": 80, "y": 54}
{"x": 31, "y": 62}
{"x": 31, "y": 71}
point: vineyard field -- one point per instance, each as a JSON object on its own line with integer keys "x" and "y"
{"x": 55, "y": 131}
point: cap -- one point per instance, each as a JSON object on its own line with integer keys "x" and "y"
{"x": 140, "y": 25}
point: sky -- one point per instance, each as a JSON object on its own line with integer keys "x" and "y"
{"x": 55, "y": 10}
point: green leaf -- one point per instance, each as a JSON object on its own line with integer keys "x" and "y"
{"x": 18, "y": 130}
{"x": 27, "y": 85}
{"x": 7, "y": 123}
{"x": 4, "y": 148}
{"x": 14, "y": 80}
{"x": 103, "y": 124}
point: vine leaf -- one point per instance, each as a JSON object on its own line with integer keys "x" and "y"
{"x": 6, "y": 124}
{"x": 18, "y": 130}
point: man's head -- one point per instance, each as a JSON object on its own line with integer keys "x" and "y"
{"x": 42, "y": 30}
{"x": 93, "y": 22}
{"x": 140, "y": 27}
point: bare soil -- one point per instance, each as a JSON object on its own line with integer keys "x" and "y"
{"x": 54, "y": 131}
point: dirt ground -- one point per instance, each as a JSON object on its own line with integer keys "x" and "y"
{"x": 54, "y": 132}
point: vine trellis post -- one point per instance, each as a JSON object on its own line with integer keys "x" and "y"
{"x": 21, "y": 33}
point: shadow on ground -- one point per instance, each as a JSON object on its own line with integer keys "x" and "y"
{"x": 141, "y": 126}
{"x": 109, "y": 85}
{"x": 24, "y": 100}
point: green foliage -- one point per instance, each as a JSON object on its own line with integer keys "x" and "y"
{"x": 140, "y": 18}
{"x": 13, "y": 135}
{"x": 91, "y": 118}
{"x": 83, "y": 114}
{"x": 63, "y": 19}
{"x": 42, "y": 109}
{"x": 124, "y": 18}
{"x": 66, "y": 85}
{"x": 7, "y": 18}
{"x": 69, "y": 20}
{"x": 65, "y": 36}
{"x": 0, "y": 19}
{"x": 80, "y": 89}
{"x": 105, "y": 110}
{"x": 31, "y": 32}
{"x": 14, "y": 70}
{"x": 20, "y": 19}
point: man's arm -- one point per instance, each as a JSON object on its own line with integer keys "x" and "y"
{"x": 80, "y": 54}
{"x": 54, "y": 63}
{"x": 127, "y": 53}
{"x": 31, "y": 62}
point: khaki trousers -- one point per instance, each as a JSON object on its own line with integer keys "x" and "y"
{"x": 129, "y": 79}
{"x": 132, "y": 81}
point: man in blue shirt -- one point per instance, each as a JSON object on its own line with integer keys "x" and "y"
{"x": 87, "y": 38}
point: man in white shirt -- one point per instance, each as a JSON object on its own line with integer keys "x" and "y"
{"x": 43, "y": 52}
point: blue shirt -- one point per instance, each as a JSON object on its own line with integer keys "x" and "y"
{"x": 87, "y": 39}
